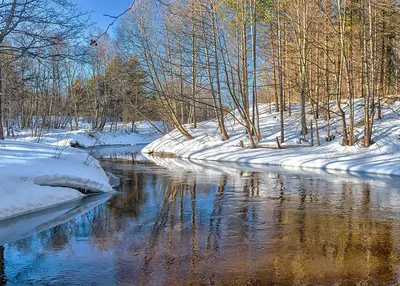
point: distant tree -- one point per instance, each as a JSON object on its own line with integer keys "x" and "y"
{"x": 30, "y": 27}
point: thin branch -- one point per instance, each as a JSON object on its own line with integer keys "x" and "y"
{"x": 94, "y": 42}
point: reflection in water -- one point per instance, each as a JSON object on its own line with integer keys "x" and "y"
{"x": 2, "y": 274}
{"x": 217, "y": 227}
{"x": 24, "y": 226}
{"x": 115, "y": 152}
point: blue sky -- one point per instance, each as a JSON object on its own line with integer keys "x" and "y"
{"x": 101, "y": 7}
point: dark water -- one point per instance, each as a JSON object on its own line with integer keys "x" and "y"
{"x": 179, "y": 223}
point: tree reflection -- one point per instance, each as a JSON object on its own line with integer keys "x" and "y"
{"x": 214, "y": 232}
{"x": 303, "y": 243}
{"x": 58, "y": 237}
{"x": 3, "y": 279}
{"x": 246, "y": 228}
{"x": 325, "y": 247}
{"x": 132, "y": 199}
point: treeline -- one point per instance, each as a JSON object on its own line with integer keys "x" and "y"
{"x": 238, "y": 53}
{"x": 188, "y": 61}
{"x": 50, "y": 75}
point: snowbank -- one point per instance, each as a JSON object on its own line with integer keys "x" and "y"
{"x": 144, "y": 134}
{"x": 209, "y": 172}
{"x": 381, "y": 158}
{"x": 37, "y": 176}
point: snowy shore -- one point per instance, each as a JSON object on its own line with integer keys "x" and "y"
{"x": 383, "y": 157}
{"x": 38, "y": 176}
{"x": 144, "y": 134}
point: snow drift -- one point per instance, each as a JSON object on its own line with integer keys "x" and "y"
{"x": 36, "y": 176}
{"x": 383, "y": 157}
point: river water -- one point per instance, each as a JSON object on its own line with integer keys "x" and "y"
{"x": 176, "y": 222}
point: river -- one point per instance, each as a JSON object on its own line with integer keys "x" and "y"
{"x": 183, "y": 222}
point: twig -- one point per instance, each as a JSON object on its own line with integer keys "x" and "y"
{"x": 94, "y": 42}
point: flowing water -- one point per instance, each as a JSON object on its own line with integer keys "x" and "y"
{"x": 181, "y": 222}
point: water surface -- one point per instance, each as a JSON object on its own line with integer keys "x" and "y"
{"x": 181, "y": 222}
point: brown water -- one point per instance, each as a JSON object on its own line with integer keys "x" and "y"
{"x": 192, "y": 223}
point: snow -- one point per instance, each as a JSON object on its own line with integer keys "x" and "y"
{"x": 144, "y": 134}
{"x": 113, "y": 180}
{"x": 267, "y": 180}
{"x": 383, "y": 157}
{"x": 38, "y": 176}
{"x": 131, "y": 153}
{"x": 71, "y": 181}
{"x": 210, "y": 171}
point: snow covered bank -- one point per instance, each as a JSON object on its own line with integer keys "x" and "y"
{"x": 144, "y": 134}
{"x": 383, "y": 157}
{"x": 37, "y": 176}
{"x": 209, "y": 172}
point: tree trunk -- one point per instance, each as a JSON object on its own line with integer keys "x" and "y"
{"x": 194, "y": 70}
{"x": 275, "y": 77}
{"x": 255, "y": 110}
{"x": 342, "y": 21}
{"x": 280, "y": 71}
{"x": 1, "y": 104}
{"x": 220, "y": 110}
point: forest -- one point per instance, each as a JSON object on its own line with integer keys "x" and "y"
{"x": 183, "y": 62}
{"x": 200, "y": 142}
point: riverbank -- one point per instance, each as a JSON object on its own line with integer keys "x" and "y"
{"x": 43, "y": 171}
{"x": 38, "y": 176}
{"x": 86, "y": 137}
{"x": 383, "y": 157}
